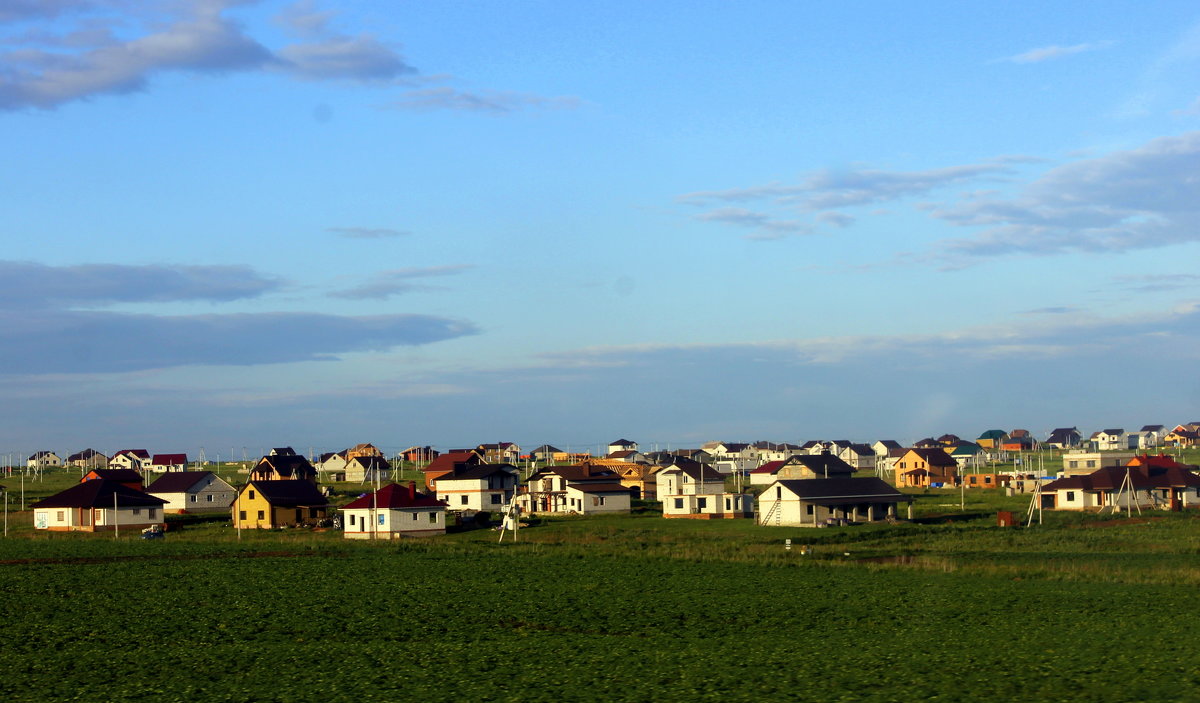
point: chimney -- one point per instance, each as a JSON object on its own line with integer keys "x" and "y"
{"x": 412, "y": 490}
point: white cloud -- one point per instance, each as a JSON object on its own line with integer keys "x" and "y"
{"x": 495, "y": 102}
{"x": 1047, "y": 53}
{"x": 385, "y": 284}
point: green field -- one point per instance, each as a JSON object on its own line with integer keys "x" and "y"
{"x": 629, "y": 608}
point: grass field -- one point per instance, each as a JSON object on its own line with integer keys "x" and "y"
{"x": 626, "y": 608}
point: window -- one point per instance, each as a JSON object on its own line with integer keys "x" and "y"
{"x": 727, "y": 508}
{"x": 1070, "y": 496}
{"x": 261, "y": 515}
{"x": 679, "y": 503}
{"x": 1072, "y": 464}
{"x": 137, "y": 511}
{"x": 251, "y": 495}
{"x": 808, "y": 510}
{"x": 595, "y": 500}
{"x": 241, "y": 515}
{"x": 601, "y": 500}
{"x": 153, "y": 515}
{"x": 209, "y": 497}
{"x": 62, "y": 515}
{"x": 701, "y": 503}
{"x": 192, "y": 498}
{"x": 433, "y": 518}
{"x": 463, "y": 500}
{"x": 414, "y": 516}
{"x": 495, "y": 499}
{"x": 353, "y": 519}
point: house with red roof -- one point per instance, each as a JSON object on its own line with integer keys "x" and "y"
{"x": 162, "y": 463}
{"x": 393, "y": 512}
{"x": 1145, "y": 482}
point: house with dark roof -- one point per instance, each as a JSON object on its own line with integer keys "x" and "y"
{"x": 136, "y": 459}
{"x": 193, "y": 492}
{"x": 1064, "y": 437}
{"x": 88, "y": 459}
{"x": 162, "y": 463}
{"x": 43, "y": 460}
{"x": 583, "y": 489}
{"x": 93, "y": 506}
{"x": 272, "y": 504}
{"x": 447, "y": 463}
{"x": 689, "y": 489}
{"x": 474, "y": 487}
{"x": 1110, "y": 440}
{"x": 283, "y": 467}
{"x": 546, "y": 453}
{"x": 621, "y": 445}
{"x": 368, "y": 468}
{"x": 500, "y": 452}
{"x": 925, "y": 468}
{"x": 821, "y": 501}
{"x": 393, "y": 512}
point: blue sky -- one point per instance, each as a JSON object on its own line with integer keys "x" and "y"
{"x": 319, "y": 223}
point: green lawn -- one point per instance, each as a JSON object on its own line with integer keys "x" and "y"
{"x": 626, "y": 608}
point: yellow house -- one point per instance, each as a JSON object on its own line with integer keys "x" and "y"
{"x": 921, "y": 468}
{"x": 270, "y": 504}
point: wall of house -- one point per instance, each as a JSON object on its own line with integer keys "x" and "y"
{"x": 474, "y": 494}
{"x": 794, "y": 512}
{"x": 252, "y": 511}
{"x": 592, "y": 503}
{"x": 714, "y": 505}
{"x": 394, "y": 523}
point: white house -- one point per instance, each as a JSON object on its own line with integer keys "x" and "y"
{"x": 163, "y": 463}
{"x": 1110, "y": 440}
{"x": 193, "y": 492}
{"x": 97, "y": 505}
{"x": 479, "y": 487}
{"x": 331, "y": 467}
{"x": 819, "y": 501}
{"x": 583, "y": 489}
{"x": 367, "y": 468}
{"x": 136, "y": 459}
{"x": 393, "y": 512}
{"x": 621, "y": 445}
{"x": 43, "y": 460}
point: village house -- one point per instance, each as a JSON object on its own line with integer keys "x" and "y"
{"x": 193, "y": 492}
{"x": 283, "y": 467}
{"x": 821, "y": 501}
{"x": 367, "y": 469}
{"x": 1084, "y": 463}
{"x": 1064, "y": 438}
{"x": 393, "y": 512}
{"x": 88, "y": 459}
{"x": 162, "y": 463}
{"x": 500, "y": 452}
{"x": 1109, "y": 440}
{"x": 136, "y": 459}
{"x": 419, "y": 455}
{"x": 365, "y": 449}
{"x": 477, "y": 487}
{"x": 583, "y": 489}
{"x": 689, "y": 489}
{"x": 621, "y": 445}
{"x": 926, "y": 468}
{"x": 447, "y": 463}
{"x": 1146, "y": 482}
{"x": 991, "y": 439}
{"x": 985, "y": 480}
{"x": 331, "y": 467}
{"x": 92, "y": 506}
{"x": 1183, "y": 436}
{"x": 43, "y": 460}
{"x": 273, "y": 504}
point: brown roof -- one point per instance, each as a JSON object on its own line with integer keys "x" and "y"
{"x": 99, "y": 494}
{"x": 290, "y": 494}
{"x": 177, "y": 481}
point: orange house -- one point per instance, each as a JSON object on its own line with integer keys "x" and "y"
{"x": 923, "y": 467}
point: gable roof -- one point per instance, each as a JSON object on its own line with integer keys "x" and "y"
{"x": 842, "y": 491}
{"x": 289, "y": 494}
{"x": 139, "y": 453}
{"x": 99, "y": 494}
{"x": 178, "y": 481}
{"x": 771, "y": 467}
{"x": 935, "y": 456}
{"x": 473, "y": 472}
{"x": 394, "y": 496}
{"x": 169, "y": 459}
{"x": 118, "y": 475}
{"x": 822, "y": 463}
{"x": 287, "y": 465}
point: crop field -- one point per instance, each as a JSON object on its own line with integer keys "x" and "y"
{"x": 624, "y": 608}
